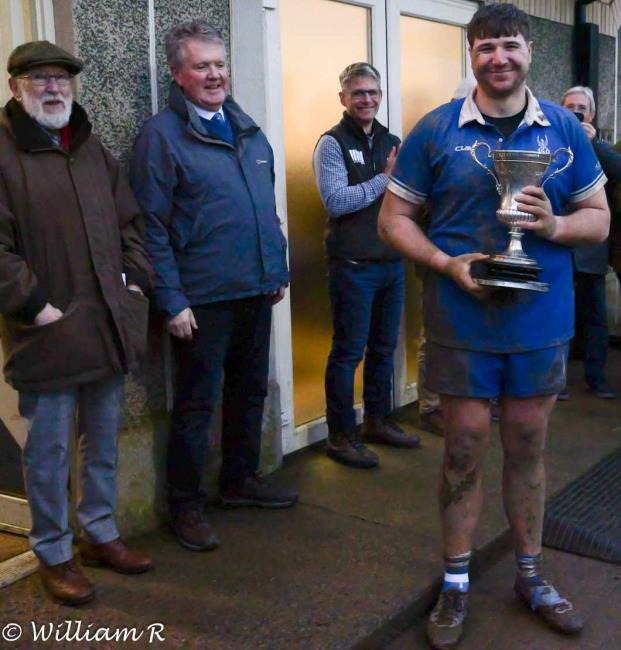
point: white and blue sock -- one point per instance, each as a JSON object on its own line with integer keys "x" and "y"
{"x": 456, "y": 572}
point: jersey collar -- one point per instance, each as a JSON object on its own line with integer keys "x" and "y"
{"x": 470, "y": 111}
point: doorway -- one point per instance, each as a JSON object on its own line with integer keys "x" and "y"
{"x": 20, "y": 21}
{"x": 409, "y": 41}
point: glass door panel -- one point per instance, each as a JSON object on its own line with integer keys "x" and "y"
{"x": 318, "y": 38}
{"x": 432, "y": 64}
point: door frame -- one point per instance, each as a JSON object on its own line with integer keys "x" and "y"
{"x": 14, "y": 511}
{"x": 447, "y": 12}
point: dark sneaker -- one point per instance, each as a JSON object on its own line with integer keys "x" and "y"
{"x": 545, "y": 601}
{"x": 66, "y": 584}
{"x": 193, "y": 530}
{"x": 257, "y": 491}
{"x": 446, "y": 622}
{"x": 602, "y": 390}
{"x": 563, "y": 396}
{"x": 432, "y": 422}
{"x": 348, "y": 448}
{"x": 385, "y": 431}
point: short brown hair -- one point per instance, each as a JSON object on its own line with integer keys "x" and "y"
{"x": 496, "y": 20}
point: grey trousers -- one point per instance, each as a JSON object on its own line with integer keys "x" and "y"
{"x": 50, "y": 418}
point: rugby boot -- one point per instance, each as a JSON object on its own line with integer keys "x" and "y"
{"x": 544, "y": 600}
{"x": 446, "y": 621}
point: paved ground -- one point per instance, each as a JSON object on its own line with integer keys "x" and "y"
{"x": 357, "y": 556}
{"x": 498, "y": 620}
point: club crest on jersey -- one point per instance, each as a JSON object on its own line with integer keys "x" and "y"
{"x": 543, "y": 144}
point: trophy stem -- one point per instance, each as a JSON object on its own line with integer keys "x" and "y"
{"x": 515, "y": 250}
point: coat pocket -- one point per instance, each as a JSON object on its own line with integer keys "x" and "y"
{"x": 135, "y": 323}
{"x": 64, "y": 348}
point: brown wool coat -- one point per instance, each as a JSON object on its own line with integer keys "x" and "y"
{"x": 69, "y": 228}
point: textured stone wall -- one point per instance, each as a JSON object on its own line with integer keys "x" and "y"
{"x": 606, "y": 86}
{"x": 112, "y": 37}
{"x": 552, "y": 71}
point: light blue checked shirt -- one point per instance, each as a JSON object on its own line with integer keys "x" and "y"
{"x": 337, "y": 196}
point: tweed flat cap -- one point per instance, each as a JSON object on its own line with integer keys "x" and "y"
{"x": 35, "y": 53}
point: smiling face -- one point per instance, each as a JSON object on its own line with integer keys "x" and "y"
{"x": 50, "y": 104}
{"x": 203, "y": 73}
{"x": 579, "y": 103}
{"x": 361, "y": 98}
{"x": 501, "y": 64}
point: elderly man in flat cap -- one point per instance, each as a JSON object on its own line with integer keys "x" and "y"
{"x": 73, "y": 314}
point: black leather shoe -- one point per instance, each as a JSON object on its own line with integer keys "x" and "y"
{"x": 348, "y": 448}
{"x": 386, "y": 431}
{"x": 193, "y": 530}
{"x": 257, "y": 491}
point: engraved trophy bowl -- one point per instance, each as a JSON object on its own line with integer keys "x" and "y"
{"x": 513, "y": 171}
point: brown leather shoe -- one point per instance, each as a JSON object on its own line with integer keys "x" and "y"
{"x": 114, "y": 555}
{"x": 193, "y": 530}
{"x": 66, "y": 584}
{"x": 385, "y": 431}
{"x": 545, "y": 601}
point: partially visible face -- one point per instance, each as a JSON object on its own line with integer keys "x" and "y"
{"x": 361, "y": 98}
{"x": 203, "y": 74}
{"x": 501, "y": 65}
{"x": 50, "y": 105}
{"x": 579, "y": 103}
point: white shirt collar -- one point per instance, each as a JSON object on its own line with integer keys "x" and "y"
{"x": 470, "y": 111}
{"x": 204, "y": 113}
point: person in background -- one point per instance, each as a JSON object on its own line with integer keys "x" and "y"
{"x": 73, "y": 273}
{"x": 352, "y": 162}
{"x": 203, "y": 173}
{"x": 591, "y": 260}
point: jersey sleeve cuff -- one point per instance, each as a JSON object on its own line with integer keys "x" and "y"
{"x": 406, "y": 193}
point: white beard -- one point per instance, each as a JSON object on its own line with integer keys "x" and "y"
{"x": 34, "y": 107}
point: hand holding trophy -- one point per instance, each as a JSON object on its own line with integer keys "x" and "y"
{"x": 513, "y": 171}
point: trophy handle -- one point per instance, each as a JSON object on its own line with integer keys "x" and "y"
{"x": 570, "y": 160}
{"x": 473, "y": 153}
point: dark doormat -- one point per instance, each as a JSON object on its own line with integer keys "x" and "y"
{"x": 585, "y": 517}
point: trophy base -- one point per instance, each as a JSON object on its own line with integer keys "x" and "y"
{"x": 513, "y": 273}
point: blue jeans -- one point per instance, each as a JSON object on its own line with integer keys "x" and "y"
{"x": 50, "y": 418}
{"x": 592, "y": 325}
{"x": 366, "y": 300}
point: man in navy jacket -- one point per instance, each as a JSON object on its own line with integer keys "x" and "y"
{"x": 202, "y": 171}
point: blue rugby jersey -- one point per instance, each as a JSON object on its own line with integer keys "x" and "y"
{"x": 435, "y": 167}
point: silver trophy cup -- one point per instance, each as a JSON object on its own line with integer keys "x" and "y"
{"x": 513, "y": 171}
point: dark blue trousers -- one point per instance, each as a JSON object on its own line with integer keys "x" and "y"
{"x": 231, "y": 343}
{"x": 366, "y": 300}
{"x": 592, "y": 325}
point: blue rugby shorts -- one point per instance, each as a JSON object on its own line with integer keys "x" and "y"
{"x": 470, "y": 373}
